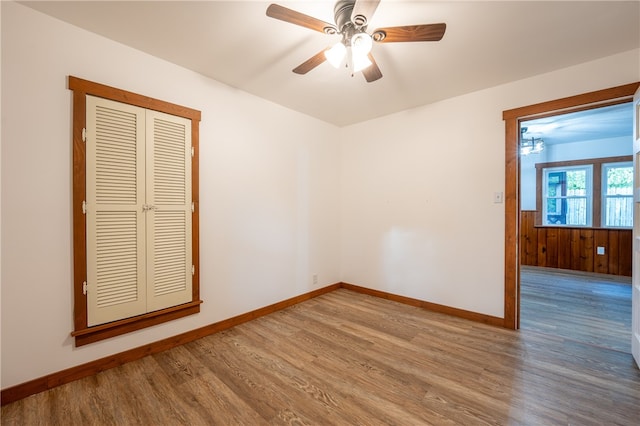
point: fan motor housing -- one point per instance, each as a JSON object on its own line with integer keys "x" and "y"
{"x": 342, "y": 13}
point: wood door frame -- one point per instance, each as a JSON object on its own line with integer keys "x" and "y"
{"x": 512, "y": 120}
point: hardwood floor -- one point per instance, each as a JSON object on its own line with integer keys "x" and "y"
{"x": 590, "y": 308}
{"x": 349, "y": 358}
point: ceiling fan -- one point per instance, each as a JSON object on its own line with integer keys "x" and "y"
{"x": 351, "y": 20}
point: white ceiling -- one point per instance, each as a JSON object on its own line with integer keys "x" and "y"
{"x": 606, "y": 122}
{"x": 486, "y": 44}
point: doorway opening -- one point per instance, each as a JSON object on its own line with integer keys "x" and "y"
{"x": 576, "y": 211}
{"x": 513, "y": 119}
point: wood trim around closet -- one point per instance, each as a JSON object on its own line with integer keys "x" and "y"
{"x": 82, "y": 333}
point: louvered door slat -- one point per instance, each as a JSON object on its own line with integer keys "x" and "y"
{"x": 170, "y": 255}
{"x": 169, "y": 225}
{"x": 115, "y": 221}
{"x": 115, "y": 142}
{"x": 169, "y": 145}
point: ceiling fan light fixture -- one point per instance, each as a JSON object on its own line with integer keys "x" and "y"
{"x": 351, "y": 19}
{"x": 336, "y": 54}
{"x": 360, "y": 61}
{"x": 361, "y": 43}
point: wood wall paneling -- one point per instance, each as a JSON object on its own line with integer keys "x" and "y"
{"x": 564, "y": 248}
{"x": 574, "y": 242}
{"x": 613, "y": 253}
{"x": 586, "y": 249}
{"x": 529, "y": 242}
{"x": 601, "y": 261}
{"x": 625, "y": 249}
{"x": 575, "y": 248}
{"x": 542, "y": 247}
{"x": 552, "y": 247}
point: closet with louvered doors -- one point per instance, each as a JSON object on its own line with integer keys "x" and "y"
{"x": 138, "y": 207}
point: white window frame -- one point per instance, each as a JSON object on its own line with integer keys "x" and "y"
{"x": 588, "y": 197}
{"x": 605, "y": 168}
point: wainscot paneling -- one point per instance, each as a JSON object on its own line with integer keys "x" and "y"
{"x": 575, "y": 248}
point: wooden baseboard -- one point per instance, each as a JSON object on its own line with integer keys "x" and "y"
{"x": 434, "y": 307}
{"x": 50, "y": 381}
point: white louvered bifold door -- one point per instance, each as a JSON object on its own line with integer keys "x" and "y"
{"x": 169, "y": 210}
{"x": 115, "y": 153}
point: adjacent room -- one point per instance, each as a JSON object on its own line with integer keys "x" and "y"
{"x": 576, "y": 175}
{"x": 245, "y": 212}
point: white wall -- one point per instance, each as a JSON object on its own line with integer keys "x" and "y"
{"x": 597, "y": 148}
{"x": 528, "y": 179}
{"x": 418, "y": 217}
{"x": 268, "y": 191}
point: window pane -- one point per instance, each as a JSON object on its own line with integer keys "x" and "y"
{"x": 556, "y": 184}
{"x": 619, "y": 211}
{"x": 618, "y": 196}
{"x": 619, "y": 181}
{"x": 576, "y": 182}
{"x": 577, "y": 211}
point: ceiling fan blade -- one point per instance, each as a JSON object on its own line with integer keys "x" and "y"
{"x": 363, "y": 11}
{"x": 426, "y": 32}
{"x": 372, "y": 72}
{"x": 310, "y": 63}
{"x": 288, "y": 15}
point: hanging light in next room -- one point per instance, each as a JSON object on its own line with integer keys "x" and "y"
{"x": 530, "y": 145}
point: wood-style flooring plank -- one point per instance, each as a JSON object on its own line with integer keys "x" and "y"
{"x": 590, "y": 308}
{"x": 347, "y": 358}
